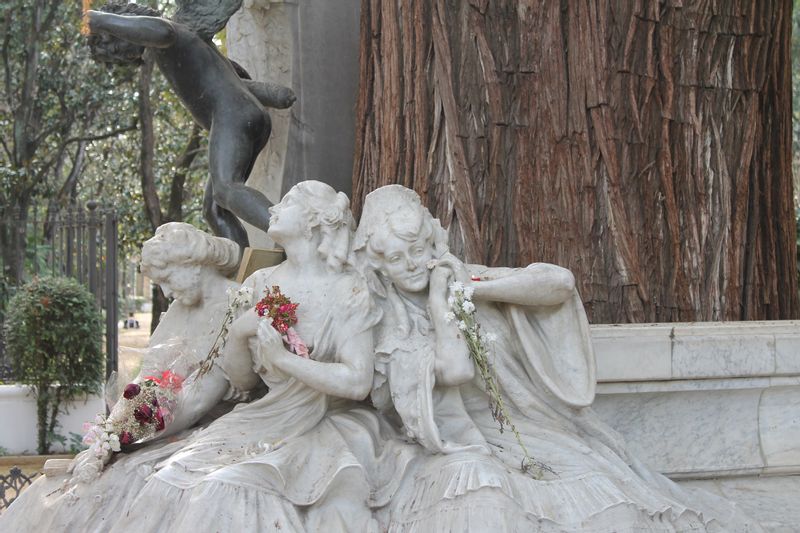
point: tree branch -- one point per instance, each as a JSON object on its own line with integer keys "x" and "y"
{"x": 182, "y": 165}
{"x": 152, "y": 205}
{"x": 101, "y": 136}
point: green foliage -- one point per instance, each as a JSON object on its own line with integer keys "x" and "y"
{"x": 53, "y": 338}
{"x": 61, "y": 111}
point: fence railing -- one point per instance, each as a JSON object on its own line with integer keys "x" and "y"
{"x": 79, "y": 242}
{"x": 12, "y": 484}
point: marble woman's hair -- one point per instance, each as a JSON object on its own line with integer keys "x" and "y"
{"x": 181, "y": 243}
{"x": 329, "y": 212}
{"x": 397, "y": 211}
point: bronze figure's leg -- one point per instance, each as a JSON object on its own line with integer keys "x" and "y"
{"x": 234, "y": 145}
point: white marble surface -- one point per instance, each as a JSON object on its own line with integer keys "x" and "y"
{"x": 779, "y": 426}
{"x": 652, "y": 359}
{"x": 706, "y": 356}
{"x": 689, "y": 433}
{"x": 773, "y": 501}
{"x": 729, "y": 405}
{"x": 787, "y": 354}
{"x": 656, "y": 352}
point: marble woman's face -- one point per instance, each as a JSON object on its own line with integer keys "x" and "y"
{"x": 288, "y": 219}
{"x": 405, "y": 263}
{"x": 181, "y": 282}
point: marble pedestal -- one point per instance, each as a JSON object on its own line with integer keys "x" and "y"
{"x": 715, "y": 405}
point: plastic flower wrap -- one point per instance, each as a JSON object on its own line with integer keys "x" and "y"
{"x": 283, "y": 312}
{"x": 145, "y": 409}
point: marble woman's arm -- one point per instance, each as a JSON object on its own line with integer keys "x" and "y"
{"x": 237, "y": 358}
{"x": 535, "y": 285}
{"x": 350, "y": 378}
{"x": 198, "y": 396}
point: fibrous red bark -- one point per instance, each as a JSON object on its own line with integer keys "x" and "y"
{"x": 644, "y": 145}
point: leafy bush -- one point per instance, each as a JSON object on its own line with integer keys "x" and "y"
{"x": 53, "y": 334}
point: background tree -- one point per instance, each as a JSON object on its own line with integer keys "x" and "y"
{"x": 74, "y": 130}
{"x": 644, "y": 145}
{"x": 53, "y": 332}
{"x": 55, "y": 102}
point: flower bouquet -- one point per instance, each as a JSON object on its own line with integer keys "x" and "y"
{"x": 145, "y": 409}
{"x": 282, "y": 311}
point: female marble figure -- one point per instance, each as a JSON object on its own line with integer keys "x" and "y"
{"x": 193, "y": 268}
{"x": 305, "y": 457}
{"x": 471, "y": 479}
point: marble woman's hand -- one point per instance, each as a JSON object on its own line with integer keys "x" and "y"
{"x": 86, "y": 467}
{"x": 441, "y": 277}
{"x": 246, "y": 325}
{"x": 457, "y": 267}
{"x": 270, "y": 343}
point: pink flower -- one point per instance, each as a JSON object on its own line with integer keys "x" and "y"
{"x": 131, "y": 391}
{"x": 296, "y": 343}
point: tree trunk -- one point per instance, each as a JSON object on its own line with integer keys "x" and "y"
{"x": 644, "y": 145}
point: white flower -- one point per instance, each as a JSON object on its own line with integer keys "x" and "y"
{"x": 490, "y": 337}
{"x": 457, "y": 287}
{"x": 241, "y": 297}
{"x": 114, "y": 443}
{"x": 451, "y": 301}
{"x": 462, "y": 325}
{"x": 468, "y": 307}
{"x": 450, "y": 317}
{"x": 468, "y": 292}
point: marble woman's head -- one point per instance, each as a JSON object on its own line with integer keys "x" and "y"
{"x": 398, "y": 237}
{"x": 314, "y": 210}
{"x": 176, "y": 254}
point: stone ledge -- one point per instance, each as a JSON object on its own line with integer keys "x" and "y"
{"x": 659, "y": 352}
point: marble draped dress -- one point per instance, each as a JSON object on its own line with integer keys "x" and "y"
{"x": 295, "y": 460}
{"x": 471, "y": 478}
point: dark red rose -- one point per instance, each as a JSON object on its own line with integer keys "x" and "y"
{"x": 131, "y": 390}
{"x": 125, "y": 437}
{"x": 143, "y": 414}
{"x": 159, "y": 420}
{"x": 155, "y": 402}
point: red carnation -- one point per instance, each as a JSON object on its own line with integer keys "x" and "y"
{"x": 143, "y": 414}
{"x": 125, "y": 437}
{"x": 131, "y": 391}
{"x": 159, "y": 420}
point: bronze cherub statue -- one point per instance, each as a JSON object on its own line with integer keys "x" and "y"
{"x": 217, "y": 92}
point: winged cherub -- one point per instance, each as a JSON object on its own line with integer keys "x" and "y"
{"x": 217, "y": 92}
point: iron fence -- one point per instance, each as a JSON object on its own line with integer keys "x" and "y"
{"x": 79, "y": 242}
{"x": 11, "y": 485}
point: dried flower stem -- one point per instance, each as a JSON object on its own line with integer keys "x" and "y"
{"x": 464, "y": 313}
